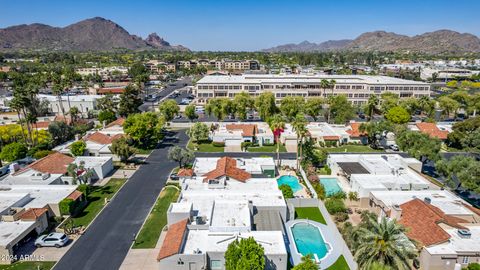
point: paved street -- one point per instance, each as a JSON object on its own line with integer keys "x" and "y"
{"x": 161, "y": 93}
{"x": 107, "y": 241}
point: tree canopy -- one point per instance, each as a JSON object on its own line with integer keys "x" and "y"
{"x": 244, "y": 254}
{"x": 168, "y": 109}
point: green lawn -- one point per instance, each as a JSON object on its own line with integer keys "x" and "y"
{"x": 351, "y": 148}
{"x": 151, "y": 230}
{"x": 340, "y": 264}
{"x": 28, "y": 265}
{"x": 205, "y": 147}
{"x": 141, "y": 151}
{"x": 267, "y": 149}
{"x": 311, "y": 213}
{"x": 96, "y": 200}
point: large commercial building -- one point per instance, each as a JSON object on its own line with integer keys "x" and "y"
{"x": 357, "y": 88}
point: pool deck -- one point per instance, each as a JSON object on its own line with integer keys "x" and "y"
{"x": 299, "y": 194}
{"x": 328, "y": 236}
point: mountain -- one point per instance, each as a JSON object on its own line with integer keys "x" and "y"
{"x": 307, "y": 46}
{"x": 441, "y": 41}
{"x": 95, "y": 34}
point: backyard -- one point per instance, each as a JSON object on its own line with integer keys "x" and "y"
{"x": 311, "y": 213}
{"x": 28, "y": 265}
{"x": 151, "y": 230}
{"x": 96, "y": 199}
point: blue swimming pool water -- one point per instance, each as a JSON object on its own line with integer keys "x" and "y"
{"x": 308, "y": 240}
{"x": 290, "y": 180}
{"x": 331, "y": 186}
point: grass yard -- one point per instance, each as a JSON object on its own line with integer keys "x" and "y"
{"x": 156, "y": 220}
{"x": 28, "y": 265}
{"x": 340, "y": 264}
{"x": 351, "y": 148}
{"x": 205, "y": 147}
{"x": 267, "y": 149}
{"x": 311, "y": 213}
{"x": 96, "y": 200}
{"x": 141, "y": 151}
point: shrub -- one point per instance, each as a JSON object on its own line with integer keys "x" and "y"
{"x": 320, "y": 190}
{"x": 313, "y": 178}
{"x": 341, "y": 217}
{"x": 339, "y": 195}
{"x": 218, "y": 144}
{"x": 78, "y": 148}
{"x": 335, "y": 205}
{"x": 331, "y": 143}
{"x": 473, "y": 266}
{"x": 286, "y": 191}
{"x": 353, "y": 196}
{"x": 66, "y": 206}
{"x": 85, "y": 189}
{"x": 42, "y": 153}
{"x": 245, "y": 145}
{"x": 13, "y": 151}
{"x": 327, "y": 170}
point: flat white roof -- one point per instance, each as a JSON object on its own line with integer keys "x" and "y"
{"x": 458, "y": 244}
{"x": 8, "y": 200}
{"x": 181, "y": 207}
{"x": 9, "y": 231}
{"x": 320, "y": 129}
{"x": 25, "y": 178}
{"x": 444, "y": 200}
{"x": 230, "y": 215}
{"x": 303, "y": 78}
{"x": 91, "y": 162}
{"x": 205, "y": 241}
{"x": 42, "y": 195}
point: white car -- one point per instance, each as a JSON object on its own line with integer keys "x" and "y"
{"x": 52, "y": 240}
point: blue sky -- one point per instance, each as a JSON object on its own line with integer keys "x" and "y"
{"x": 252, "y": 25}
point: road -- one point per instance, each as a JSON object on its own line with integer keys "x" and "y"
{"x": 161, "y": 93}
{"x": 108, "y": 239}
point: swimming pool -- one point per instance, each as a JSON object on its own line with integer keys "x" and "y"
{"x": 331, "y": 186}
{"x": 290, "y": 180}
{"x": 309, "y": 240}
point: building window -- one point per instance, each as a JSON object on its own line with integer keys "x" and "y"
{"x": 465, "y": 260}
{"x": 216, "y": 264}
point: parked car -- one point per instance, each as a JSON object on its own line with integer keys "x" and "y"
{"x": 174, "y": 176}
{"x": 52, "y": 240}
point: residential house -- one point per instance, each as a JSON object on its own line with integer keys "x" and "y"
{"x": 434, "y": 130}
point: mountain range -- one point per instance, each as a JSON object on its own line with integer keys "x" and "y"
{"x": 441, "y": 41}
{"x": 95, "y": 34}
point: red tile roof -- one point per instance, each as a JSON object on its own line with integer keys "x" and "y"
{"x": 248, "y": 130}
{"x": 55, "y": 163}
{"x": 432, "y": 130}
{"x": 422, "y": 222}
{"x": 355, "y": 130}
{"x": 331, "y": 138}
{"x": 118, "y": 122}
{"x": 227, "y": 166}
{"x": 101, "y": 138}
{"x": 185, "y": 172}
{"x": 172, "y": 244}
{"x": 32, "y": 214}
{"x": 42, "y": 124}
{"x": 113, "y": 90}
{"x": 75, "y": 195}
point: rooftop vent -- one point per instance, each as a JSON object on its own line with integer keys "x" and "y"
{"x": 427, "y": 200}
{"x": 464, "y": 233}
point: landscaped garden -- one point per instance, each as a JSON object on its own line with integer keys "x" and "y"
{"x": 205, "y": 146}
{"x": 310, "y": 213}
{"x": 28, "y": 265}
{"x": 151, "y": 230}
{"x": 267, "y": 149}
{"x": 96, "y": 199}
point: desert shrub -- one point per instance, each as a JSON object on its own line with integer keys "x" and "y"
{"x": 335, "y": 205}
{"x": 218, "y": 144}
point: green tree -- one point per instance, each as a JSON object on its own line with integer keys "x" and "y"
{"x": 371, "y": 106}
{"x": 306, "y": 264}
{"x": 244, "y": 254}
{"x": 313, "y": 107}
{"x": 410, "y": 104}
{"x": 60, "y": 132}
{"x": 291, "y": 106}
{"x": 335, "y": 205}
{"x": 448, "y": 105}
{"x": 107, "y": 103}
{"x": 286, "y": 191}
{"x": 168, "y": 109}
{"x": 299, "y": 124}
{"x": 397, "y": 115}
{"x": 78, "y": 148}
{"x": 472, "y": 266}
{"x": 129, "y": 101}
{"x": 265, "y": 105}
{"x": 180, "y": 155}
{"x": 340, "y": 109}
{"x": 243, "y": 102}
{"x": 138, "y": 73}
{"x": 277, "y": 124}
{"x": 199, "y": 132}
{"x": 419, "y": 145}
{"x": 384, "y": 242}
{"x": 106, "y": 117}
{"x": 13, "y": 151}
{"x": 426, "y": 105}
{"x": 190, "y": 112}
{"x": 388, "y": 100}
{"x": 74, "y": 113}
{"x": 122, "y": 149}
{"x": 465, "y": 169}
{"x": 144, "y": 128}
{"x": 216, "y": 106}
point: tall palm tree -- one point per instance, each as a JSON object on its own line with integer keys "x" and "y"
{"x": 331, "y": 85}
{"x": 57, "y": 89}
{"x": 384, "y": 242}
{"x": 371, "y": 106}
{"x": 425, "y": 104}
{"x": 277, "y": 124}
{"x": 299, "y": 125}
{"x": 324, "y": 84}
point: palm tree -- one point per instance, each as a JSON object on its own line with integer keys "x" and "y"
{"x": 371, "y": 106}
{"x": 425, "y": 104}
{"x": 57, "y": 90}
{"x": 324, "y": 84}
{"x": 277, "y": 124}
{"x": 331, "y": 85}
{"x": 384, "y": 242}
{"x": 299, "y": 125}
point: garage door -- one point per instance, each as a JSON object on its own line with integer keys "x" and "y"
{"x": 233, "y": 142}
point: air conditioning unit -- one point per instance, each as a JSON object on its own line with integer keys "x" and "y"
{"x": 464, "y": 233}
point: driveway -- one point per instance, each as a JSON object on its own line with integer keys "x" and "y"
{"x": 108, "y": 239}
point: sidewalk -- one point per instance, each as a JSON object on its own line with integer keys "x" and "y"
{"x": 120, "y": 173}
{"x": 145, "y": 259}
